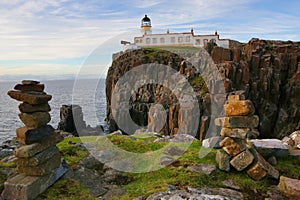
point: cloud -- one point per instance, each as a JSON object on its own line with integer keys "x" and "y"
{"x": 65, "y": 29}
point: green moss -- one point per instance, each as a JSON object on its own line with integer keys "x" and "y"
{"x": 136, "y": 145}
{"x": 70, "y": 152}
{"x": 176, "y": 174}
{"x": 66, "y": 189}
{"x": 199, "y": 84}
{"x": 2, "y": 180}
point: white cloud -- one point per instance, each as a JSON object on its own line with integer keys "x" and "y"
{"x": 65, "y": 29}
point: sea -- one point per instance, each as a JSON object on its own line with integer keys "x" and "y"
{"x": 89, "y": 94}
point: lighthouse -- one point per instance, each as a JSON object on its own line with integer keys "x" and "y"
{"x": 146, "y": 25}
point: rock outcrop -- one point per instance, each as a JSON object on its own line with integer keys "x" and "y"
{"x": 268, "y": 72}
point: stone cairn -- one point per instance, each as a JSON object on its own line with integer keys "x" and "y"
{"x": 38, "y": 160}
{"x": 238, "y": 126}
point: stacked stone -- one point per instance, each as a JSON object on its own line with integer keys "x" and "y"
{"x": 38, "y": 155}
{"x": 238, "y": 126}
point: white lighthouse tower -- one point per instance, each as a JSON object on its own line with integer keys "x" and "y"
{"x": 146, "y": 25}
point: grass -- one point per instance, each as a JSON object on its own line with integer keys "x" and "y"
{"x": 175, "y": 174}
{"x": 67, "y": 189}
{"x": 70, "y": 152}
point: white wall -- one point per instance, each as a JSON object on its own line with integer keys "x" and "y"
{"x": 180, "y": 39}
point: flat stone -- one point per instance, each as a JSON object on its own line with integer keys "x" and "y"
{"x": 35, "y": 120}
{"x": 257, "y": 171}
{"x": 202, "y": 168}
{"x": 30, "y": 82}
{"x": 295, "y": 136}
{"x": 28, "y": 108}
{"x": 233, "y": 146}
{"x": 234, "y": 98}
{"x": 290, "y": 187}
{"x": 22, "y": 187}
{"x": 289, "y": 141}
{"x": 231, "y": 184}
{"x": 166, "y": 160}
{"x": 42, "y": 169}
{"x": 223, "y": 160}
{"x": 262, "y": 164}
{"x": 90, "y": 178}
{"x": 30, "y": 87}
{"x": 241, "y": 133}
{"x": 242, "y": 161}
{"x": 39, "y": 158}
{"x": 183, "y": 138}
{"x": 271, "y": 147}
{"x": 26, "y": 151}
{"x": 238, "y": 121}
{"x": 239, "y": 108}
{"x": 29, "y": 136}
{"x": 32, "y": 98}
{"x": 173, "y": 151}
{"x": 213, "y": 142}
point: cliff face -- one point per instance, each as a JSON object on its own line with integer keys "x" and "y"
{"x": 268, "y": 72}
{"x": 149, "y": 94}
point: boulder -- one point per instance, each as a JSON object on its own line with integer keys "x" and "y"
{"x": 223, "y": 160}
{"x": 271, "y": 147}
{"x": 24, "y": 187}
{"x": 42, "y": 169}
{"x": 173, "y": 151}
{"x": 29, "y": 136}
{"x": 39, "y": 158}
{"x": 213, "y": 142}
{"x": 242, "y": 160}
{"x": 239, "y": 108}
{"x": 30, "y": 87}
{"x": 290, "y": 187}
{"x": 202, "y": 168}
{"x": 71, "y": 119}
{"x": 295, "y": 136}
{"x": 35, "y": 120}
{"x": 26, "y": 151}
{"x": 238, "y": 121}
{"x": 28, "y": 108}
{"x": 30, "y": 82}
{"x": 32, "y": 98}
{"x": 260, "y": 165}
{"x": 241, "y": 133}
{"x": 233, "y": 146}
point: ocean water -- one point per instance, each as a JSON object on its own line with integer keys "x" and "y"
{"x": 89, "y": 94}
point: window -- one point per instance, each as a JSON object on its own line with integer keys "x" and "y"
{"x": 180, "y": 39}
{"x": 205, "y": 41}
{"x": 141, "y": 40}
{"x": 147, "y": 40}
{"x": 137, "y": 41}
{"x": 188, "y": 39}
{"x": 198, "y": 41}
{"x": 172, "y": 39}
{"x": 162, "y": 40}
{"x": 154, "y": 40}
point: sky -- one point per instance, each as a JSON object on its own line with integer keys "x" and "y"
{"x": 54, "y": 39}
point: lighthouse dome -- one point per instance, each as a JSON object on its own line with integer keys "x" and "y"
{"x": 146, "y": 21}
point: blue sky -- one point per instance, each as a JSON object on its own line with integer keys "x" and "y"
{"x": 52, "y": 39}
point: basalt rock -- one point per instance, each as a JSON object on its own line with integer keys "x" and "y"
{"x": 267, "y": 71}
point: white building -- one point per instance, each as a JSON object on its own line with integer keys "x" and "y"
{"x": 148, "y": 39}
